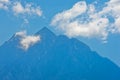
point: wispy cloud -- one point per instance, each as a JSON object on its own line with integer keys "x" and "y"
{"x": 21, "y": 10}
{"x": 4, "y": 4}
{"x": 28, "y": 9}
{"x": 27, "y": 41}
{"x": 17, "y": 8}
{"x": 84, "y": 20}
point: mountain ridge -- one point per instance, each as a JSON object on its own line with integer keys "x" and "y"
{"x": 54, "y": 58}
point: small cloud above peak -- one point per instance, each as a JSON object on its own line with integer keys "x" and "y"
{"x": 27, "y": 40}
{"x": 21, "y": 33}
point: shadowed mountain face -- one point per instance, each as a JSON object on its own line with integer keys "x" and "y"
{"x": 54, "y": 58}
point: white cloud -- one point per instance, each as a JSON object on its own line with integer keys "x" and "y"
{"x": 117, "y": 24}
{"x": 21, "y": 33}
{"x": 22, "y": 11}
{"x": 28, "y": 9}
{"x": 77, "y": 10}
{"x": 86, "y": 21}
{"x": 4, "y": 4}
{"x": 4, "y": 0}
{"x": 27, "y": 41}
{"x": 17, "y": 8}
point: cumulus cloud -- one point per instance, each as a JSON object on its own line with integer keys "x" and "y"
{"x": 84, "y": 20}
{"x": 27, "y": 41}
{"x": 4, "y": 4}
{"x": 17, "y": 8}
{"x": 20, "y": 9}
{"x": 29, "y": 9}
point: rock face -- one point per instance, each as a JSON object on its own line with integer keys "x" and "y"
{"x": 54, "y": 58}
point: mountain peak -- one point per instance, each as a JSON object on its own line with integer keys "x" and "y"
{"x": 55, "y": 58}
{"x": 44, "y": 31}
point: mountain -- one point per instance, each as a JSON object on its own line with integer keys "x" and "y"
{"x": 54, "y": 58}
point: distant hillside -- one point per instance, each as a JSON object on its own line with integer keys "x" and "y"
{"x": 54, "y": 58}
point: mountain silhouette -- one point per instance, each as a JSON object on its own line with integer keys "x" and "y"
{"x": 54, "y": 58}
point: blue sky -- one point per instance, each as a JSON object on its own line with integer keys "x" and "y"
{"x": 103, "y": 38}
